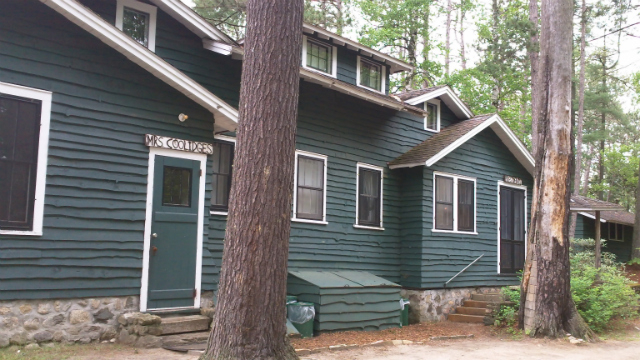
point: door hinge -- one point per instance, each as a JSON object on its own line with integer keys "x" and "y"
{"x": 195, "y": 292}
{"x": 201, "y": 172}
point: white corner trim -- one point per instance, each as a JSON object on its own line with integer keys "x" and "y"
{"x": 153, "y": 152}
{"x": 43, "y": 147}
{"x": 455, "y": 203}
{"x": 294, "y": 211}
{"x": 224, "y": 138}
{"x": 383, "y": 75}
{"x": 526, "y": 215}
{"x": 152, "y": 11}
{"x": 455, "y": 100}
{"x": 357, "y": 222}
{"x": 189, "y": 18}
{"x": 226, "y": 116}
{"x": 334, "y": 57}
{"x": 436, "y": 103}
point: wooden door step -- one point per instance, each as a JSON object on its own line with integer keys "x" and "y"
{"x": 466, "y": 318}
{"x": 185, "y": 339}
{"x": 476, "y": 303}
{"x": 490, "y": 297}
{"x": 472, "y": 311}
{"x": 184, "y": 324}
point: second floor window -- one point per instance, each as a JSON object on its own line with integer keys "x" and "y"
{"x": 318, "y": 56}
{"x": 370, "y": 75}
{"x": 432, "y": 120}
{"x": 138, "y": 20}
{"x": 221, "y": 178}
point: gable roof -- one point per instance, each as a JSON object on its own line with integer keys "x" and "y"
{"x": 583, "y": 203}
{"x": 450, "y": 138}
{"x": 444, "y": 92}
{"x": 226, "y": 116}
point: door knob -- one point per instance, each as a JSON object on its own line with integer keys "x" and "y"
{"x": 154, "y": 235}
{"x": 154, "y": 249}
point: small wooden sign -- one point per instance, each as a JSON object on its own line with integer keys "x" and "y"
{"x": 512, "y": 180}
{"x": 177, "y": 144}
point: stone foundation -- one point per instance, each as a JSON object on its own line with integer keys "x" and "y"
{"x": 435, "y": 305}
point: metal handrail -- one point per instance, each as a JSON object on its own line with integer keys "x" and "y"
{"x": 463, "y": 270}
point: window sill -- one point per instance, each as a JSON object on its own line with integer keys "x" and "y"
{"x": 319, "y": 71}
{"x": 371, "y": 89}
{"x": 21, "y": 232}
{"x": 431, "y": 130}
{"x": 379, "y": 228}
{"x": 223, "y": 213}
{"x": 319, "y": 222}
{"x": 454, "y": 232}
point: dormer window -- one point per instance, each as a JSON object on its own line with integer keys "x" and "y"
{"x": 138, "y": 20}
{"x": 370, "y": 75}
{"x": 432, "y": 120}
{"x": 320, "y": 57}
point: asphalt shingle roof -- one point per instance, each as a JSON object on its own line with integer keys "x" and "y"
{"x": 581, "y": 203}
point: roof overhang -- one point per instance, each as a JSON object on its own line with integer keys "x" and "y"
{"x": 345, "y": 88}
{"x": 587, "y": 215}
{"x": 226, "y": 117}
{"x": 501, "y": 129}
{"x": 449, "y": 97}
{"x": 396, "y": 65}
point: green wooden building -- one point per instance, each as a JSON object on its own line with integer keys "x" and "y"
{"x": 616, "y": 228}
{"x": 117, "y": 122}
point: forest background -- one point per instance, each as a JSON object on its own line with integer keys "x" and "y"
{"x": 482, "y": 50}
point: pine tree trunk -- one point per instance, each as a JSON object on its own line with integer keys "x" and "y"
{"x": 547, "y": 306}
{"x": 578, "y": 164}
{"x": 635, "y": 253}
{"x": 587, "y": 173}
{"x": 534, "y": 59}
{"x": 249, "y": 322}
{"x": 447, "y": 46}
{"x": 463, "y": 57}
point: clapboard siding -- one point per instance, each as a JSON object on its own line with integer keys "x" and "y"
{"x": 487, "y": 159}
{"x": 97, "y": 167}
{"x": 585, "y": 229}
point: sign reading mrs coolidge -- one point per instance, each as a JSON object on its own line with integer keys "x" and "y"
{"x": 177, "y": 144}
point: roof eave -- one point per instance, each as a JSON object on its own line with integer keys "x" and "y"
{"x": 453, "y": 101}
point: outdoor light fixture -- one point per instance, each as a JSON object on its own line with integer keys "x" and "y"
{"x": 183, "y": 117}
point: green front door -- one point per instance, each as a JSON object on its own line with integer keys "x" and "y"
{"x": 174, "y": 231}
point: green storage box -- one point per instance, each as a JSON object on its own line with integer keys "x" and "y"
{"x": 404, "y": 312}
{"x": 301, "y": 315}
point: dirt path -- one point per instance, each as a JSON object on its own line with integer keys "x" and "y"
{"x": 491, "y": 350}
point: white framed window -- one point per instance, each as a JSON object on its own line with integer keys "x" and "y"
{"x": 369, "y": 197}
{"x": 616, "y": 232}
{"x": 320, "y": 57}
{"x": 454, "y": 203}
{"x": 138, "y": 20}
{"x": 432, "y": 120}
{"x": 370, "y": 75}
{"x": 310, "y": 188}
{"x": 25, "y": 115}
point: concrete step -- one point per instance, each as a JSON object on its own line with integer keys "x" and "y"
{"x": 472, "y": 311}
{"x": 183, "y": 339}
{"x": 466, "y": 318}
{"x": 476, "y": 304}
{"x": 184, "y": 324}
{"x": 491, "y": 297}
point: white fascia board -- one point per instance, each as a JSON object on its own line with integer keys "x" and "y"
{"x": 396, "y": 64}
{"x": 347, "y": 89}
{"x": 217, "y": 47}
{"x": 587, "y": 215}
{"x": 504, "y": 133}
{"x": 225, "y": 115}
{"x": 189, "y": 18}
{"x": 450, "y": 98}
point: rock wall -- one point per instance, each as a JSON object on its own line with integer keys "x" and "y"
{"x": 66, "y": 320}
{"x": 435, "y": 305}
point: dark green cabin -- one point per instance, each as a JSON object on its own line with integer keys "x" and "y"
{"x": 616, "y": 228}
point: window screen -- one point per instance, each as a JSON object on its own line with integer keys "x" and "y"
{"x": 370, "y": 75}
{"x": 19, "y": 134}
{"x": 176, "y": 188}
{"x": 319, "y": 57}
{"x": 444, "y": 203}
{"x": 369, "y": 197}
{"x": 432, "y": 116}
{"x": 310, "y": 188}
{"x": 466, "y": 205}
{"x": 221, "y": 178}
{"x": 136, "y": 24}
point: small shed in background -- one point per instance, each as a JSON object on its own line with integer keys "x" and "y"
{"x": 347, "y": 300}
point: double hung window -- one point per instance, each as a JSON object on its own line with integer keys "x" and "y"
{"x": 616, "y": 232}
{"x": 370, "y": 75}
{"x": 310, "y": 187}
{"x": 369, "y": 202}
{"x": 454, "y": 203}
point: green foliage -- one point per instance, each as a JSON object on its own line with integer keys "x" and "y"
{"x": 507, "y": 315}
{"x": 634, "y": 261}
{"x": 600, "y": 301}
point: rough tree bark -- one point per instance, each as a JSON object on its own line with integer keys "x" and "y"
{"x": 578, "y": 164}
{"x": 547, "y": 308}
{"x": 636, "y": 229}
{"x": 249, "y": 322}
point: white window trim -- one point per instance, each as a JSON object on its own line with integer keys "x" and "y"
{"x": 609, "y": 231}
{"x": 455, "y": 204}
{"x": 375, "y": 168}
{"x": 146, "y": 8}
{"x": 231, "y": 140}
{"x": 383, "y": 76}
{"x": 334, "y": 57}
{"x": 294, "y": 211}
{"x": 526, "y": 220}
{"x": 435, "y": 102}
{"x": 43, "y": 148}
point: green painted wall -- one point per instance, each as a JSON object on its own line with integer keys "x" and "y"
{"x": 585, "y": 229}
